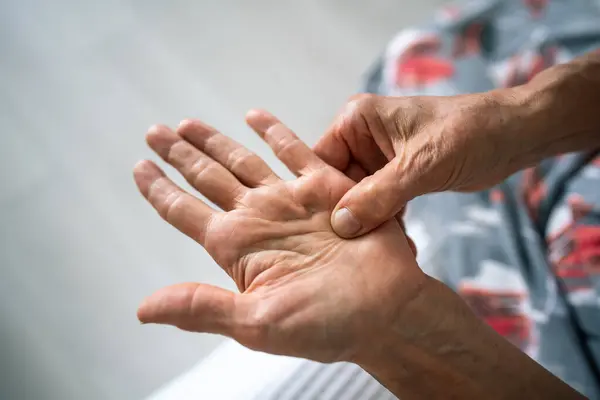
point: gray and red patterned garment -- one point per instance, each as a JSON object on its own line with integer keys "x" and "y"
{"x": 526, "y": 254}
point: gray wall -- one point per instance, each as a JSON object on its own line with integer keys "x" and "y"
{"x": 80, "y": 82}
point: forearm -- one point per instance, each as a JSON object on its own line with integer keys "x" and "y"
{"x": 439, "y": 349}
{"x": 557, "y": 112}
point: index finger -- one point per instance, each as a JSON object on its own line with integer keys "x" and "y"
{"x": 334, "y": 150}
{"x": 292, "y": 151}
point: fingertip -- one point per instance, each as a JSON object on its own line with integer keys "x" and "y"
{"x": 160, "y": 138}
{"x": 253, "y": 112}
{"x": 194, "y": 128}
{"x": 154, "y": 132}
{"x": 260, "y": 120}
{"x": 144, "y": 314}
{"x": 144, "y": 173}
{"x": 186, "y": 122}
{"x": 185, "y": 126}
{"x": 345, "y": 223}
{"x": 190, "y": 306}
{"x": 257, "y": 113}
{"x": 361, "y": 210}
{"x": 146, "y": 168}
{"x": 155, "y": 128}
{"x": 166, "y": 305}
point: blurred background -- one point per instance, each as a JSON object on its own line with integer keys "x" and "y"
{"x": 80, "y": 82}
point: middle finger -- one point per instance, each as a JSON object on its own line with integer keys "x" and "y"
{"x": 249, "y": 168}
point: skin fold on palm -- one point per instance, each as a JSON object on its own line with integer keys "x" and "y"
{"x": 304, "y": 291}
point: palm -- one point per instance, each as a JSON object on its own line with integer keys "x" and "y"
{"x": 305, "y": 291}
{"x": 270, "y": 234}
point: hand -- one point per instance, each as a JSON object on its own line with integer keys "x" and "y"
{"x": 307, "y": 292}
{"x": 415, "y": 145}
{"x": 357, "y": 173}
{"x": 304, "y": 290}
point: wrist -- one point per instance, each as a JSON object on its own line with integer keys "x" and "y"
{"x": 408, "y": 357}
{"x": 438, "y": 348}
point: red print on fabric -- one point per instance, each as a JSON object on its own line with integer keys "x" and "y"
{"x": 503, "y": 311}
{"x": 575, "y": 249}
{"x": 580, "y": 248}
{"x": 577, "y": 209}
{"x": 469, "y": 41}
{"x": 496, "y": 196}
{"x": 536, "y": 7}
{"x": 420, "y": 64}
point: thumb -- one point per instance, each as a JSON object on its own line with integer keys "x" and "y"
{"x": 373, "y": 201}
{"x": 192, "y": 307}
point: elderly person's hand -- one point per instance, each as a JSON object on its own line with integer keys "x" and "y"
{"x": 307, "y": 292}
{"x": 416, "y": 145}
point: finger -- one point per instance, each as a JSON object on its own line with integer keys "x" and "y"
{"x": 191, "y": 306}
{"x": 293, "y": 152}
{"x": 185, "y": 212}
{"x": 355, "y": 172}
{"x": 354, "y": 128}
{"x": 346, "y": 144}
{"x": 332, "y": 149}
{"x": 356, "y": 134}
{"x": 250, "y": 169}
{"x": 366, "y": 152}
{"x": 374, "y": 200}
{"x": 202, "y": 172}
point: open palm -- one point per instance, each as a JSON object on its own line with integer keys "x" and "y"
{"x": 304, "y": 290}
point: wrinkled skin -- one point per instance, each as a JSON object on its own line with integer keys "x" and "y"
{"x": 410, "y": 146}
{"x": 304, "y": 290}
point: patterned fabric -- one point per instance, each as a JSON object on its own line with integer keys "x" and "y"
{"x": 525, "y": 255}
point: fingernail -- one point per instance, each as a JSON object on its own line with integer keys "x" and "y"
{"x": 345, "y": 223}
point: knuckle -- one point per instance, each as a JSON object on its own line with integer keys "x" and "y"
{"x": 286, "y": 147}
{"x": 240, "y": 159}
{"x": 178, "y": 153}
{"x": 257, "y": 326}
{"x": 361, "y": 98}
{"x": 175, "y": 205}
{"x": 237, "y": 161}
{"x": 361, "y": 103}
{"x": 199, "y": 169}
